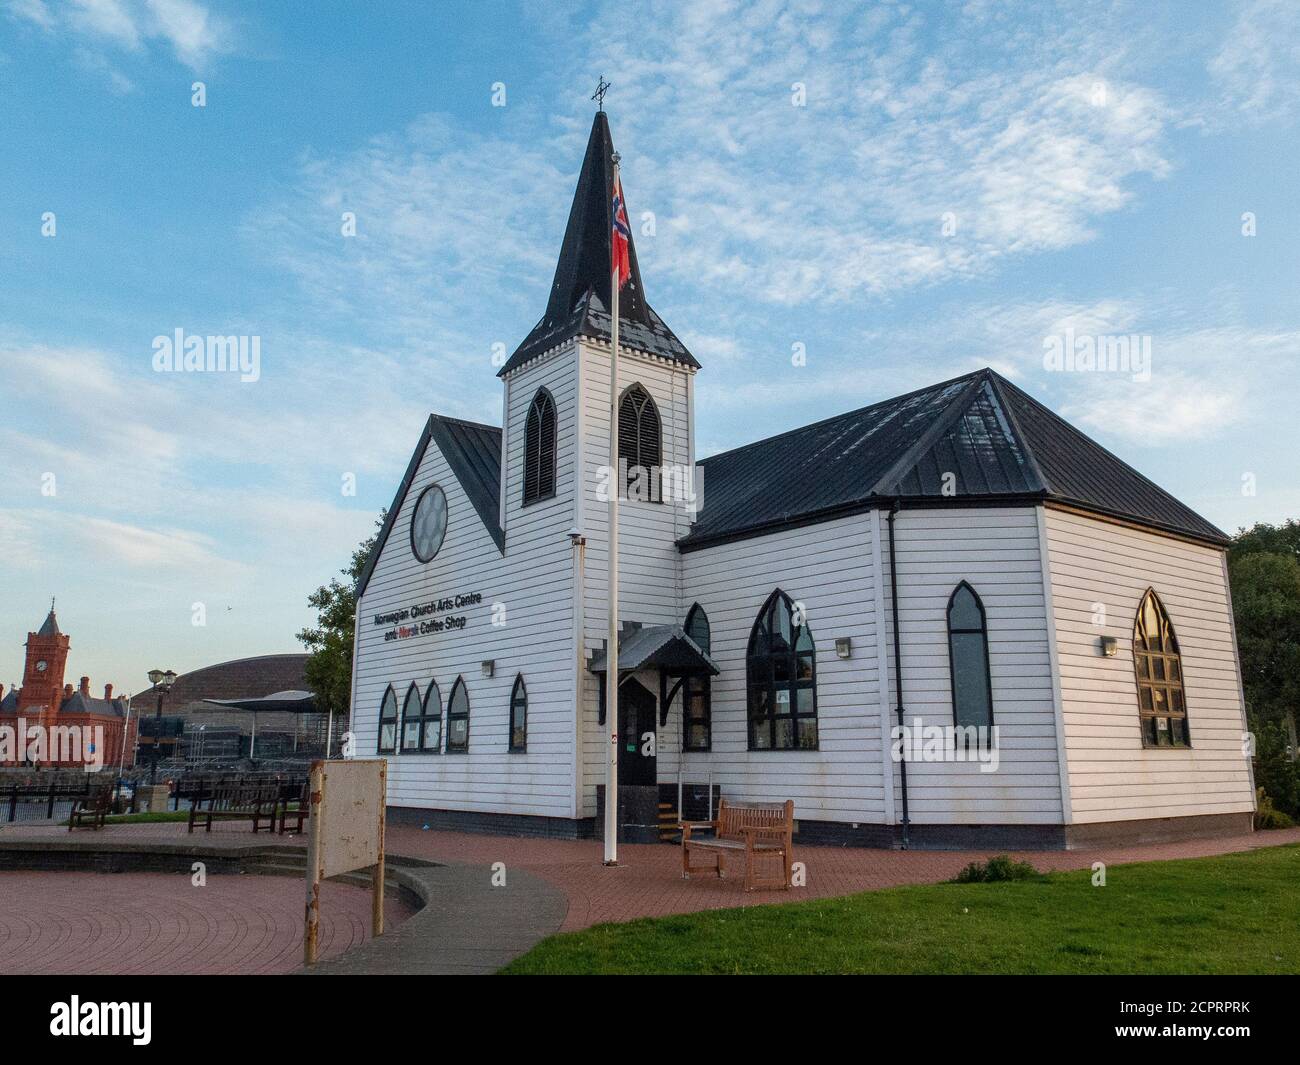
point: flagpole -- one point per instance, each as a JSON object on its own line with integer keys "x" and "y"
{"x": 611, "y": 647}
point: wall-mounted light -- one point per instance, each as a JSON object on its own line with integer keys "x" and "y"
{"x": 1107, "y": 646}
{"x": 489, "y": 667}
{"x": 843, "y": 647}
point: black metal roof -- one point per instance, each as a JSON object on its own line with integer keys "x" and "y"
{"x": 473, "y": 451}
{"x": 999, "y": 444}
{"x": 580, "y": 294}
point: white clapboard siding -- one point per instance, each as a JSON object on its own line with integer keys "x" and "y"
{"x": 650, "y": 583}
{"x": 534, "y": 586}
{"x": 995, "y": 550}
{"x": 1112, "y": 776}
{"x": 827, "y": 568}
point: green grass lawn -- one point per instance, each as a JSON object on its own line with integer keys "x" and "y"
{"x": 1239, "y": 913}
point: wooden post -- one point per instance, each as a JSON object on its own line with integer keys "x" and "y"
{"x": 315, "y": 796}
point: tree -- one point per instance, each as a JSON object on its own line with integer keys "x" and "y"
{"x": 1264, "y": 570}
{"x": 1266, "y": 607}
{"x": 329, "y": 665}
{"x": 1281, "y": 539}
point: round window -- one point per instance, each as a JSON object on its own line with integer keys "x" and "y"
{"x": 429, "y": 523}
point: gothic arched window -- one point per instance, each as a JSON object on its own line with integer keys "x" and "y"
{"x": 411, "y": 706}
{"x": 458, "y": 718}
{"x": 781, "y": 674}
{"x": 519, "y": 716}
{"x": 431, "y": 720}
{"x": 539, "y": 448}
{"x": 640, "y": 444}
{"x": 1162, "y": 706}
{"x": 697, "y": 726}
{"x": 968, "y": 660}
{"x": 388, "y": 722}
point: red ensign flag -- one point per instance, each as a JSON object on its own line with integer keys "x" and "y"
{"x": 619, "y": 237}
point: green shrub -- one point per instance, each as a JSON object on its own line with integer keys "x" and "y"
{"x": 1267, "y": 815}
{"x": 995, "y": 870}
{"x": 1275, "y": 771}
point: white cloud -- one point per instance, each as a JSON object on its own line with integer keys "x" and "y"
{"x": 1170, "y": 408}
{"x": 174, "y": 549}
{"x": 187, "y": 27}
{"x": 822, "y": 205}
{"x": 192, "y": 31}
{"x": 846, "y": 196}
{"x": 33, "y": 11}
{"x": 1257, "y": 67}
{"x": 447, "y": 224}
{"x": 109, "y": 19}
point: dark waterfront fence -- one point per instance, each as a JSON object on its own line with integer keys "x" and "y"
{"x": 49, "y": 796}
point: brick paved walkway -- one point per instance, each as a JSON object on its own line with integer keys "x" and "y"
{"x": 648, "y": 882}
{"x": 133, "y": 923}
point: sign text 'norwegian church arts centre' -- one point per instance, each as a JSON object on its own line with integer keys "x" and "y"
{"x": 428, "y": 617}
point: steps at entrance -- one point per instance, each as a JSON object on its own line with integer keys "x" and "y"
{"x": 668, "y": 821}
{"x": 695, "y": 803}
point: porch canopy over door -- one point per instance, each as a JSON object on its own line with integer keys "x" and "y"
{"x": 665, "y": 648}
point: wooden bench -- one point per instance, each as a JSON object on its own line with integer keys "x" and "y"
{"x": 91, "y": 809}
{"x": 748, "y": 828}
{"x": 293, "y": 795}
{"x": 255, "y": 803}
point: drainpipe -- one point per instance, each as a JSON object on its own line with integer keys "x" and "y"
{"x": 898, "y": 667}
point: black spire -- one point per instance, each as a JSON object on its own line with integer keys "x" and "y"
{"x": 584, "y": 257}
{"x": 580, "y": 294}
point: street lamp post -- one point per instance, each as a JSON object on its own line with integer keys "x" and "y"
{"x": 162, "y": 682}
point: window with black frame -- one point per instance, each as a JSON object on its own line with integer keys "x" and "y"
{"x": 697, "y": 724}
{"x": 781, "y": 676}
{"x": 968, "y": 659}
{"x": 539, "y": 448}
{"x": 431, "y": 720}
{"x": 458, "y": 718}
{"x": 1158, "y": 664}
{"x": 519, "y": 716}
{"x": 411, "y": 713}
{"x": 640, "y": 444}
{"x": 388, "y": 722}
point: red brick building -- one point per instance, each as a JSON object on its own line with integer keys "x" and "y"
{"x": 73, "y": 726}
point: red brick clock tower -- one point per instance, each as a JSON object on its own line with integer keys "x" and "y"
{"x": 47, "y": 658}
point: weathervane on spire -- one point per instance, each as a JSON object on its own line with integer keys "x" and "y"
{"x": 602, "y": 87}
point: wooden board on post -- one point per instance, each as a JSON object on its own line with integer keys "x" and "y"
{"x": 345, "y": 832}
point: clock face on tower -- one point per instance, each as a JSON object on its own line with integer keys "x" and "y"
{"x": 42, "y": 666}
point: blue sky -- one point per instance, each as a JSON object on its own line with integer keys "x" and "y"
{"x": 954, "y": 185}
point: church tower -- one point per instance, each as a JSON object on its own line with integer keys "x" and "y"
{"x": 47, "y": 658}
{"x": 567, "y": 354}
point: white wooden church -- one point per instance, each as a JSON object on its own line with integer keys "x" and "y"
{"x": 1052, "y": 631}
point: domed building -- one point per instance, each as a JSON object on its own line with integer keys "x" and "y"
{"x": 224, "y": 732}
